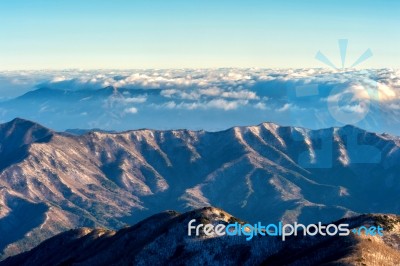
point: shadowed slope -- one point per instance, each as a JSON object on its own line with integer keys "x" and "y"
{"x": 162, "y": 239}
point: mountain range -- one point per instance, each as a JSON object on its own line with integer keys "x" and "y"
{"x": 51, "y": 181}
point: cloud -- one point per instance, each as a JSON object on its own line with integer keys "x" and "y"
{"x": 284, "y": 108}
{"x": 212, "y": 104}
{"x": 213, "y": 91}
{"x": 180, "y": 94}
{"x": 291, "y": 96}
{"x": 139, "y": 99}
{"x": 244, "y": 94}
{"x": 224, "y": 104}
{"x": 131, "y": 110}
{"x": 261, "y": 106}
{"x": 169, "y": 105}
{"x": 394, "y": 106}
{"x": 386, "y": 93}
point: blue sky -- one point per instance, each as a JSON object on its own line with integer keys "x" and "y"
{"x": 194, "y": 34}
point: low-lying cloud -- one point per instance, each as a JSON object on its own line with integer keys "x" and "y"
{"x": 304, "y": 97}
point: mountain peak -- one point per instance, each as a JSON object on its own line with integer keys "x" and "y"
{"x": 24, "y": 124}
{"x": 19, "y": 120}
{"x": 19, "y": 132}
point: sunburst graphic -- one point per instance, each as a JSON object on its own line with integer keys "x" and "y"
{"x": 343, "y": 43}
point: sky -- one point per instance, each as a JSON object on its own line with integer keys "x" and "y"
{"x": 194, "y": 34}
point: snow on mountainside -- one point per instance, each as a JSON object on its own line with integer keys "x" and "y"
{"x": 163, "y": 240}
{"x": 53, "y": 181}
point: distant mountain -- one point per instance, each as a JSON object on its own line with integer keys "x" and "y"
{"x": 51, "y": 182}
{"x": 162, "y": 240}
{"x": 78, "y": 131}
{"x": 105, "y": 108}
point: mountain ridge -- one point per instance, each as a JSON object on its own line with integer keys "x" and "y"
{"x": 113, "y": 179}
{"x": 162, "y": 239}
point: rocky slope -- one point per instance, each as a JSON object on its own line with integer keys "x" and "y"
{"x": 162, "y": 240}
{"x": 51, "y": 182}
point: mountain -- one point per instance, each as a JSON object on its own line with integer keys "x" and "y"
{"x": 106, "y": 108}
{"x": 51, "y": 182}
{"x": 162, "y": 239}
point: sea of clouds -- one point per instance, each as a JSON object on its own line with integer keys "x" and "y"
{"x": 210, "y": 99}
